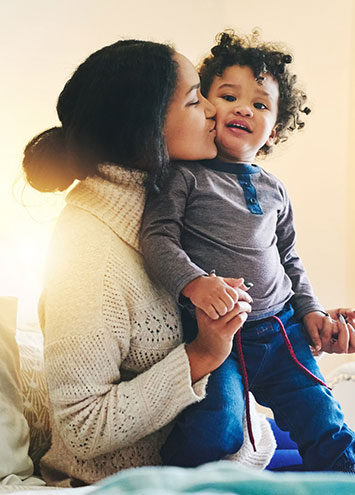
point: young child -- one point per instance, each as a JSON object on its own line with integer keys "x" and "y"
{"x": 230, "y": 216}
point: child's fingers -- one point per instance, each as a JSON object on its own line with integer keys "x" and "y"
{"x": 230, "y": 298}
{"x": 220, "y": 306}
{"x": 240, "y": 307}
{"x": 225, "y": 295}
{"x": 233, "y": 294}
{"x": 223, "y": 304}
{"x": 243, "y": 296}
{"x": 315, "y": 338}
{"x": 239, "y": 294}
{"x": 327, "y": 332}
{"x": 234, "y": 282}
{"x": 211, "y": 312}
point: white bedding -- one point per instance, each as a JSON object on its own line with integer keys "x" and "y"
{"x": 43, "y": 490}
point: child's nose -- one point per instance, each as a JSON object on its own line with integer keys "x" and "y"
{"x": 244, "y": 110}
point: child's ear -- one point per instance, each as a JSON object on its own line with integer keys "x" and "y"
{"x": 271, "y": 138}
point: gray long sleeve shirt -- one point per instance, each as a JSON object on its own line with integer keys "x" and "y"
{"x": 234, "y": 218}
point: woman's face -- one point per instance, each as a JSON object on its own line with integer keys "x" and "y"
{"x": 190, "y": 127}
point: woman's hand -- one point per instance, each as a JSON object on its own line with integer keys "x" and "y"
{"x": 347, "y": 313}
{"x": 343, "y": 338}
{"x": 214, "y": 340}
{"x": 333, "y": 333}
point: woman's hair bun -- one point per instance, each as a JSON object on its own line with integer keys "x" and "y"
{"x": 45, "y": 162}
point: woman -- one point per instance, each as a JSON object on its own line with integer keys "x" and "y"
{"x": 117, "y": 370}
{"x": 118, "y": 373}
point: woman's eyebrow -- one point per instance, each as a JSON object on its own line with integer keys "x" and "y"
{"x": 195, "y": 86}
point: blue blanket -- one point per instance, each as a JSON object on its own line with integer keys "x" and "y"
{"x": 225, "y": 478}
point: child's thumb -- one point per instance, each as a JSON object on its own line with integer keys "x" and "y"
{"x": 234, "y": 282}
{"x": 315, "y": 338}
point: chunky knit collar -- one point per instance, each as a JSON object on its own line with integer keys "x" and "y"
{"x": 116, "y": 196}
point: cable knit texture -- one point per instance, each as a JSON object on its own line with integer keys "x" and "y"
{"x": 117, "y": 370}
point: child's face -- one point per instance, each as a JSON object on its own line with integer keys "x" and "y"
{"x": 246, "y": 113}
{"x": 189, "y": 127}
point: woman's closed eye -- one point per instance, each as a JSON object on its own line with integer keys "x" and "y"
{"x": 195, "y": 99}
{"x": 193, "y": 103}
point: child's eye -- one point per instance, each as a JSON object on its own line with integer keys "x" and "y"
{"x": 229, "y": 97}
{"x": 260, "y": 106}
{"x": 193, "y": 103}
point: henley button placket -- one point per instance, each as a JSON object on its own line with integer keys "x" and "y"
{"x": 250, "y": 194}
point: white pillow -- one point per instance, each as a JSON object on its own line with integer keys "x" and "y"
{"x": 35, "y": 393}
{"x": 342, "y": 381}
{"x": 14, "y": 431}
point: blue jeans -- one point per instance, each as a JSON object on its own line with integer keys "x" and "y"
{"x": 211, "y": 429}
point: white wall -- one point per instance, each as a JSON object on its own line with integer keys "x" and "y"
{"x": 42, "y": 41}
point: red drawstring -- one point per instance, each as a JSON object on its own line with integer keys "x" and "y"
{"x": 246, "y": 387}
{"x": 293, "y": 355}
{"x": 245, "y": 374}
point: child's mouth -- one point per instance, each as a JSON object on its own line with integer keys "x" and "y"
{"x": 239, "y": 126}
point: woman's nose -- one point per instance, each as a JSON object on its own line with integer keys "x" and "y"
{"x": 210, "y": 109}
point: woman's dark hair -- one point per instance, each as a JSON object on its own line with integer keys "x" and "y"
{"x": 112, "y": 109}
{"x": 262, "y": 58}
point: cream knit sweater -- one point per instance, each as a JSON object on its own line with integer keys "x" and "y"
{"x": 117, "y": 370}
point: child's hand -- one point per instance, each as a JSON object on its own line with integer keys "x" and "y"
{"x": 314, "y": 322}
{"x": 216, "y": 296}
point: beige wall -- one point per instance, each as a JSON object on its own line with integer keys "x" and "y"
{"x": 351, "y": 169}
{"x": 42, "y": 41}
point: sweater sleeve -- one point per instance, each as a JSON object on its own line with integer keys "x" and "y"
{"x": 304, "y": 300}
{"x": 162, "y": 226}
{"x": 97, "y": 408}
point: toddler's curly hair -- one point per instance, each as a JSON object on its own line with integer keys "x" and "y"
{"x": 262, "y": 58}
